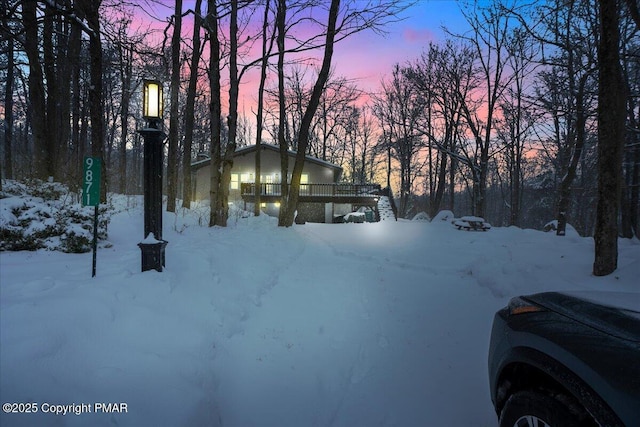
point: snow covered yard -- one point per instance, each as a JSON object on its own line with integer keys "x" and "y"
{"x": 375, "y": 324}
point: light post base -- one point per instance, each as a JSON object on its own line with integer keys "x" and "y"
{"x": 153, "y": 255}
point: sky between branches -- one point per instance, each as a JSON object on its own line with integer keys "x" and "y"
{"x": 364, "y": 58}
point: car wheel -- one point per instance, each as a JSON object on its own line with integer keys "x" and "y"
{"x": 533, "y": 409}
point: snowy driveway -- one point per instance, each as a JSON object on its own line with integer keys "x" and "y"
{"x": 381, "y": 324}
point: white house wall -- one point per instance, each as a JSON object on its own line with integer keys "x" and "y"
{"x": 244, "y": 165}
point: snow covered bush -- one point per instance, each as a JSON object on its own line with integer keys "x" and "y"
{"x": 421, "y": 216}
{"x": 553, "y": 226}
{"x": 443, "y": 216}
{"x": 36, "y": 215}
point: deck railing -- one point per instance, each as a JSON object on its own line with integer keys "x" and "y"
{"x": 314, "y": 190}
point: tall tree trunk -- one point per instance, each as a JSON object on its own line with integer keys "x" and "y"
{"x": 452, "y": 184}
{"x": 8, "y": 112}
{"x": 232, "y": 119}
{"x": 38, "y": 122}
{"x": 564, "y": 201}
{"x": 611, "y": 134}
{"x": 52, "y": 84}
{"x": 215, "y": 110}
{"x": 57, "y": 69}
{"x": 172, "y": 155}
{"x": 440, "y": 186}
{"x": 83, "y": 133}
{"x": 126, "y": 74}
{"x": 259, "y": 113}
{"x": 67, "y": 32}
{"x": 305, "y": 125}
{"x": 190, "y": 107}
{"x": 75, "y": 46}
{"x": 388, "y": 143}
{"x": 281, "y": 16}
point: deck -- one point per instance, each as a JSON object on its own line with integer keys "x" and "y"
{"x": 362, "y": 194}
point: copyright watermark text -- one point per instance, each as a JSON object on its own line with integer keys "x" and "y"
{"x": 65, "y": 409}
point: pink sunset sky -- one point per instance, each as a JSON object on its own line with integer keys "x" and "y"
{"x": 369, "y": 57}
{"x": 366, "y": 57}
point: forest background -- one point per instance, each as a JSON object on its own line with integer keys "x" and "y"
{"x": 526, "y": 114}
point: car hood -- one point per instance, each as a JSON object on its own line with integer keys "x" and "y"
{"x": 613, "y": 313}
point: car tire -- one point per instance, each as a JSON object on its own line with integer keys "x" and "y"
{"x": 534, "y": 409}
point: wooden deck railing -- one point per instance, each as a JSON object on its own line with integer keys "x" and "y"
{"x": 315, "y": 190}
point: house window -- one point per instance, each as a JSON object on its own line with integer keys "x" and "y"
{"x": 304, "y": 180}
{"x": 238, "y": 178}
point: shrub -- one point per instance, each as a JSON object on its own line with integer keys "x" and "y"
{"x": 36, "y": 214}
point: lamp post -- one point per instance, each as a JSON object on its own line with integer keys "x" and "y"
{"x": 153, "y": 246}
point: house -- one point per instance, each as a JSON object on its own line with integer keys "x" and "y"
{"x": 322, "y": 198}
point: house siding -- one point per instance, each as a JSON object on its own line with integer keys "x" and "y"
{"x": 318, "y": 172}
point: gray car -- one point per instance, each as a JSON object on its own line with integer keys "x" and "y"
{"x": 567, "y": 359}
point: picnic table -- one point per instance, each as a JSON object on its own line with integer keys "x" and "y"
{"x": 471, "y": 223}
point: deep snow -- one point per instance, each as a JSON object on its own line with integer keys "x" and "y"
{"x": 383, "y": 324}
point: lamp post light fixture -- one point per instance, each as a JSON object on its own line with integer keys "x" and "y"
{"x": 152, "y": 101}
{"x": 153, "y": 246}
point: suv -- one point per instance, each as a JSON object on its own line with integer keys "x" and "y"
{"x": 567, "y": 359}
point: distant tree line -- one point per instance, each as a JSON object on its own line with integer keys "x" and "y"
{"x": 502, "y": 121}
{"x": 507, "y": 117}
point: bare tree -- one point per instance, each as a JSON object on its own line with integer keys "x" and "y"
{"x": 517, "y": 122}
{"x": 326, "y": 140}
{"x": 343, "y": 21}
{"x": 367, "y": 154}
{"x": 37, "y": 95}
{"x": 580, "y": 64}
{"x": 57, "y": 68}
{"x": 291, "y": 202}
{"x": 6, "y": 29}
{"x": 281, "y": 17}
{"x": 611, "y": 136}
{"x": 398, "y": 110}
{"x": 360, "y": 140}
{"x": 267, "y": 46}
{"x": 120, "y": 50}
{"x": 445, "y": 77}
{"x": 232, "y": 118}
{"x": 215, "y": 110}
{"x": 172, "y": 155}
{"x": 222, "y": 162}
{"x": 634, "y": 11}
{"x": 351, "y": 144}
{"x": 334, "y": 118}
{"x": 189, "y": 118}
{"x": 566, "y": 83}
{"x": 490, "y": 28}
{"x": 630, "y": 202}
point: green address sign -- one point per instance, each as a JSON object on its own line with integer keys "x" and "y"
{"x": 91, "y": 181}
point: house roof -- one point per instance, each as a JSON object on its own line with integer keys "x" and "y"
{"x": 250, "y": 148}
